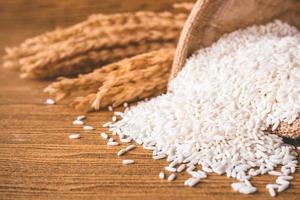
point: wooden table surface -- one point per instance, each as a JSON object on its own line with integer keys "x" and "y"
{"x": 38, "y": 161}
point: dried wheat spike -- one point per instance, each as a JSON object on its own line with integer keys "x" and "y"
{"x": 143, "y": 27}
{"x": 88, "y": 83}
{"x": 94, "y": 59}
{"x": 137, "y": 28}
{"x": 140, "y": 77}
{"x": 33, "y": 45}
{"x": 128, "y": 80}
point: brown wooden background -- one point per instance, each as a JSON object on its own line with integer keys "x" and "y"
{"x": 38, "y": 161}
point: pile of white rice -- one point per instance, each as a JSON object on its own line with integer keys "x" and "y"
{"x": 220, "y": 104}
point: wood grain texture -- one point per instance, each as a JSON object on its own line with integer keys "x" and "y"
{"x": 38, "y": 161}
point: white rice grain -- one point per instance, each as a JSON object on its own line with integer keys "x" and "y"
{"x": 106, "y": 125}
{"x": 274, "y": 186}
{"x": 274, "y": 173}
{"x": 193, "y": 182}
{"x": 159, "y": 157}
{"x": 173, "y": 163}
{"x": 88, "y": 128}
{"x": 170, "y": 169}
{"x": 283, "y": 187}
{"x": 190, "y": 168}
{"x": 236, "y": 186}
{"x": 125, "y": 105}
{"x": 171, "y": 177}
{"x": 112, "y": 144}
{"x": 161, "y": 175}
{"x": 282, "y": 181}
{"x": 74, "y": 136}
{"x": 272, "y": 192}
{"x": 50, "y": 101}
{"x": 130, "y": 147}
{"x": 126, "y": 140}
{"x": 127, "y": 162}
{"x": 181, "y": 168}
{"x": 247, "y": 190}
{"x": 78, "y": 122}
{"x": 288, "y": 178}
{"x": 104, "y": 136}
{"x": 80, "y": 117}
{"x": 110, "y": 108}
{"x": 121, "y": 152}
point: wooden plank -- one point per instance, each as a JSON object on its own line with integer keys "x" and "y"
{"x": 38, "y": 161}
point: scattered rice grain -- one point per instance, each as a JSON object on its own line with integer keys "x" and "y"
{"x": 171, "y": 177}
{"x": 88, "y": 128}
{"x": 127, "y": 162}
{"x": 74, "y": 136}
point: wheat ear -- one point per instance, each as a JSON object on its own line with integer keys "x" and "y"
{"x": 128, "y": 80}
{"x": 94, "y": 59}
{"x": 137, "y": 29}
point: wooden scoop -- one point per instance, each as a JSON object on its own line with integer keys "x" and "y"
{"x": 210, "y": 19}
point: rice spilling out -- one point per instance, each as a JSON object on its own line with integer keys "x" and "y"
{"x": 218, "y": 108}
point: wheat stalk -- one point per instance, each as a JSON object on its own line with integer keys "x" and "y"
{"x": 128, "y": 80}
